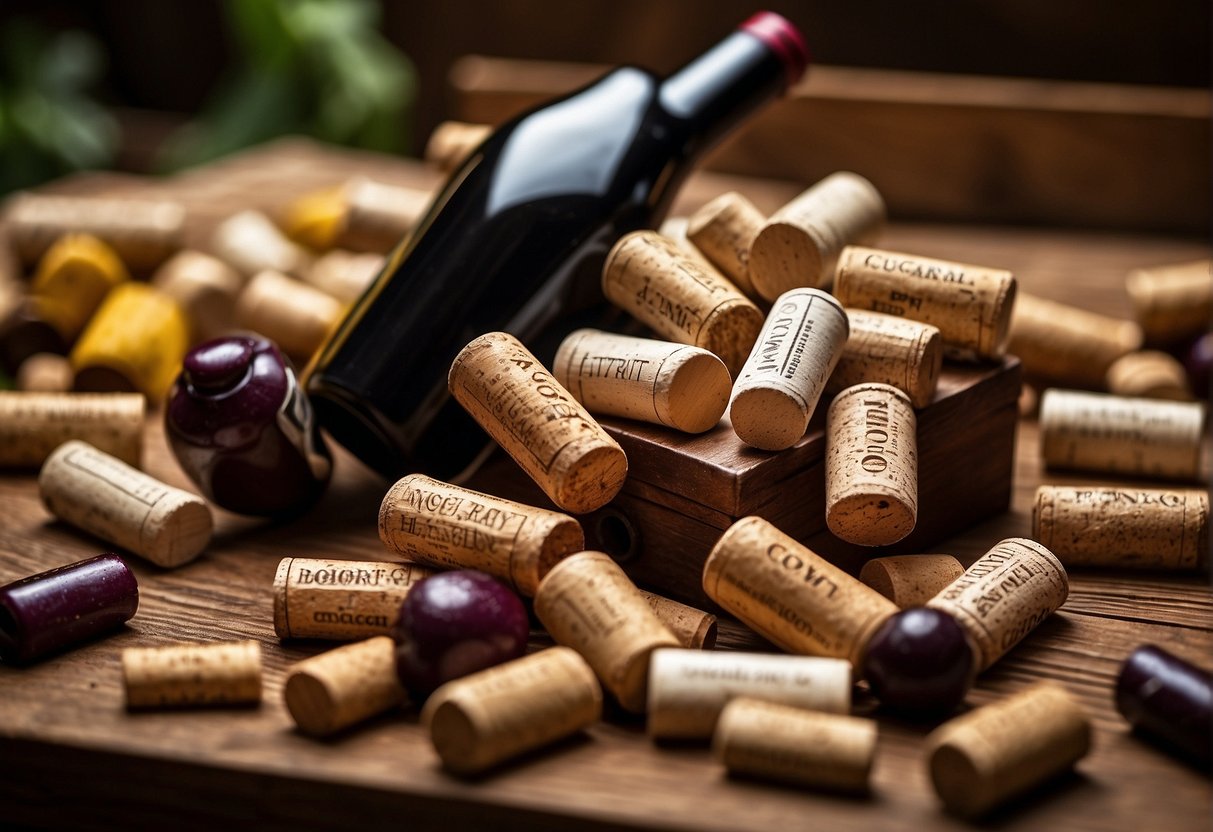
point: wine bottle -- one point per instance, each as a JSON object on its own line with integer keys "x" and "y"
{"x": 516, "y": 239}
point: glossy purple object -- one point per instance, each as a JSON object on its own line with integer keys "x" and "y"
{"x": 455, "y": 623}
{"x": 1198, "y": 360}
{"x": 47, "y": 612}
{"x": 243, "y": 430}
{"x": 920, "y": 662}
{"x": 1169, "y": 699}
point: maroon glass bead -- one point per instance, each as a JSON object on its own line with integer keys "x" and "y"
{"x": 920, "y": 662}
{"x": 1168, "y": 699}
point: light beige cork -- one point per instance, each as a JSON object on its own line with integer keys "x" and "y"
{"x": 341, "y": 687}
{"x": 694, "y": 628}
{"x": 689, "y": 688}
{"x": 724, "y": 230}
{"x": 104, "y": 496}
{"x": 32, "y": 425}
{"x": 970, "y": 305}
{"x": 790, "y": 595}
{"x": 911, "y": 580}
{"x": 345, "y": 275}
{"x": 444, "y": 525}
{"x": 676, "y": 385}
{"x": 988, "y": 756}
{"x": 378, "y": 216}
{"x": 539, "y": 423}
{"x": 491, "y": 716}
{"x": 801, "y": 242}
{"x": 587, "y": 602}
{"x": 143, "y": 233}
{"x": 680, "y": 297}
{"x": 45, "y": 372}
{"x": 250, "y": 242}
{"x": 778, "y": 389}
{"x": 890, "y": 350}
{"x": 340, "y": 600}
{"x": 452, "y": 142}
{"x": 204, "y": 287}
{"x": 180, "y": 675}
{"x": 296, "y": 316}
{"x": 1149, "y": 374}
{"x": 1174, "y": 301}
{"x": 1068, "y": 345}
{"x": 788, "y": 744}
{"x": 1119, "y": 435}
{"x": 871, "y": 465}
{"x": 73, "y": 277}
{"x": 1004, "y": 595}
{"x": 1124, "y": 526}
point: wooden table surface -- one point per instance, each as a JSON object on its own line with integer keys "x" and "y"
{"x": 71, "y": 756}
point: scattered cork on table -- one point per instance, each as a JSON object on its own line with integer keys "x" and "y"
{"x": 33, "y": 425}
{"x": 192, "y": 675}
{"x": 886, "y": 349}
{"x": 724, "y": 230}
{"x": 342, "y": 687}
{"x": 910, "y": 580}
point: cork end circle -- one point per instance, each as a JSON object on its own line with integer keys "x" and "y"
{"x": 768, "y": 418}
{"x": 871, "y": 519}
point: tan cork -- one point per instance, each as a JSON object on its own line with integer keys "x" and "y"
{"x": 1149, "y": 374}
{"x": 444, "y": 525}
{"x": 1004, "y": 595}
{"x": 694, "y": 629}
{"x": 296, "y": 316}
{"x": 104, "y": 496}
{"x": 680, "y": 297}
{"x": 1068, "y": 345}
{"x": 205, "y": 288}
{"x": 801, "y": 242}
{"x": 788, "y": 744}
{"x": 250, "y": 242}
{"x": 911, "y": 580}
{"x": 791, "y": 595}
{"x": 45, "y": 372}
{"x": 32, "y": 425}
{"x": 989, "y": 756}
{"x": 689, "y": 688}
{"x": 345, "y": 275}
{"x": 341, "y": 687}
{"x": 778, "y": 389}
{"x": 73, "y": 277}
{"x": 452, "y": 142}
{"x": 1174, "y": 301}
{"x": 676, "y": 385}
{"x": 587, "y": 602}
{"x": 179, "y": 675}
{"x": 871, "y": 465}
{"x": 890, "y": 350}
{"x": 724, "y": 230}
{"x": 340, "y": 600}
{"x": 539, "y": 423}
{"x": 1123, "y": 526}
{"x": 379, "y": 216}
{"x": 488, "y": 717}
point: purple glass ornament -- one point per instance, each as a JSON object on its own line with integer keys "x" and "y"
{"x": 243, "y": 430}
{"x": 1169, "y": 699}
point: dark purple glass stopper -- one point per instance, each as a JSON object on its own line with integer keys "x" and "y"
{"x": 919, "y": 662}
{"x": 1169, "y": 699}
{"x": 47, "y": 612}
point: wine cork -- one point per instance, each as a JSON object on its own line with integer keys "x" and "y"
{"x": 694, "y": 629}
{"x": 1068, "y": 345}
{"x": 970, "y": 305}
{"x": 538, "y": 423}
{"x": 32, "y": 425}
{"x": 225, "y": 673}
{"x": 1118, "y": 435}
{"x": 250, "y": 243}
{"x": 689, "y": 688}
{"x": 337, "y": 689}
{"x": 135, "y": 343}
{"x": 587, "y": 602}
{"x": 1172, "y": 302}
{"x": 988, "y": 756}
{"x": 911, "y": 580}
{"x": 488, "y": 717}
{"x": 108, "y": 498}
{"x": 314, "y": 219}
{"x": 379, "y": 216}
{"x": 45, "y": 372}
{"x": 790, "y": 595}
{"x": 205, "y": 288}
{"x": 792, "y": 745}
{"x": 890, "y": 350}
{"x": 679, "y": 386}
{"x": 778, "y": 389}
{"x": 340, "y": 600}
{"x": 1146, "y": 528}
{"x": 73, "y": 277}
{"x": 1149, "y": 374}
{"x": 680, "y": 297}
{"x": 1003, "y": 595}
{"x": 143, "y": 233}
{"x": 871, "y": 465}
{"x": 449, "y": 527}
{"x": 800, "y": 244}
{"x": 345, "y": 274}
{"x": 452, "y": 142}
{"x": 724, "y": 230}
{"x": 296, "y": 316}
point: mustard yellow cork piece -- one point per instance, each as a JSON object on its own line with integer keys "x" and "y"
{"x": 72, "y": 280}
